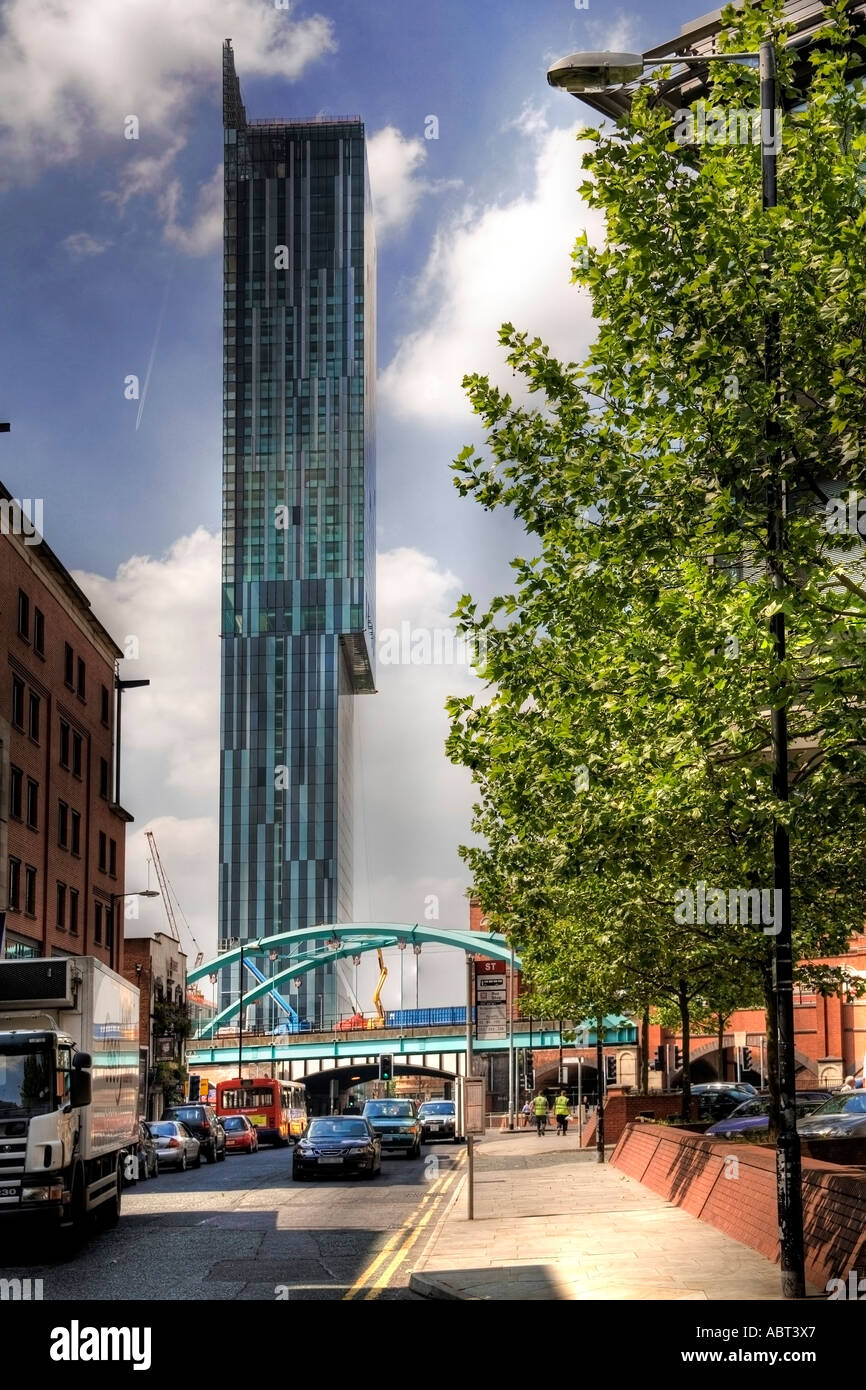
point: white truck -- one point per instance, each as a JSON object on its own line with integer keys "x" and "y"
{"x": 69, "y": 1065}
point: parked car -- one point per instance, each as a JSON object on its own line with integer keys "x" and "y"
{"x": 146, "y": 1153}
{"x": 843, "y": 1116}
{"x": 175, "y": 1145}
{"x": 241, "y": 1134}
{"x": 703, "y": 1087}
{"x": 438, "y": 1119}
{"x": 337, "y": 1144}
{"x": 718, "y": 1102}
{"x": 205, "y": 1124}
{"x": 754, "y": 1115}
{"x": 396, "y": 1123}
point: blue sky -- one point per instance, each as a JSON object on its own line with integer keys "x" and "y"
{"x": 111, "y": 253}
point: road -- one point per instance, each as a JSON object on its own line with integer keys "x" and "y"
{"x": 243, "y": 1230}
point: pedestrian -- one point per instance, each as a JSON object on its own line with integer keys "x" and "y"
{"x": 526, "y": 1112}
{"x": 540, "y": 1108}
{"x": 561, "y": 1111}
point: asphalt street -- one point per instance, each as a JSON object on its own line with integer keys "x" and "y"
{"x": 242, "y": 1229}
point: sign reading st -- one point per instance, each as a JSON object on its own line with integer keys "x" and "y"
{"x": 491, "y": 999}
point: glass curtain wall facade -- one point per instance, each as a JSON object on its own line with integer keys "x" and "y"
{"x": 298, "y": 608}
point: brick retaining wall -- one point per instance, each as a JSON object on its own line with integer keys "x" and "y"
{"x": 740, "y": 1199}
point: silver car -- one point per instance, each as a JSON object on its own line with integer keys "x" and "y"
{"x": 843, "y": 1116}
{"x": 175, "y": 1146}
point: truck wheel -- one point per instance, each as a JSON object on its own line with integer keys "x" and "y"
{"x": 110, "y": 1211}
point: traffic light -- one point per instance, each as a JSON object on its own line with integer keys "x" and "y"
{"x": 386, "y": 1067}
{"x": 678, "y": 1058}
{"x": 194, "y": 1088}
{"x": 747, "y": 1059}
{"x": 659, "y": 1063}
{"x": 610, "y": 1064}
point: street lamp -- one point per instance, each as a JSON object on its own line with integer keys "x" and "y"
{"x": 113, "y": 897}
{"x": 401, "y": 947}
{"x": 416, "y": 950}
{"x": 593, "y": 72}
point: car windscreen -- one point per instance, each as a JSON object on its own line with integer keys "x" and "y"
{"x": 333, "y": 1129}
{"x": 163, "y": 1129}
{"x": 233, "y": 1122}
{"x": 846, "y": 1104}
{"x": 388, "y": 1110}
{"x": 190, "y": 1115}
{"x": 437, "y": 1107}
{"x": 751, "y": 1107}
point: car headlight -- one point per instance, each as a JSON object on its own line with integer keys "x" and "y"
{"x": 361, "y": 1149}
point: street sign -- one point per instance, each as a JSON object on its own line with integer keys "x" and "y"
{"x": 491, "y": 999}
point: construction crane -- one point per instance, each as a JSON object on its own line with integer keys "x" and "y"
{"x": 163, "y": 884}
{"x": 377, "y": 1003}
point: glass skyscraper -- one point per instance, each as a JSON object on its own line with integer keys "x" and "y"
{"x": 298, "y": 568}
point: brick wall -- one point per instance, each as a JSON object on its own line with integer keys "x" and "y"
{"x": 740, "y": 1199}
{"x": 65, "y": 619}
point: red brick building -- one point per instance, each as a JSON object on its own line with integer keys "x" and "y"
{"x": 62, "y": 838}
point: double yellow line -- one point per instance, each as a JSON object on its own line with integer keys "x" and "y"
{"x": 380, "y": 1271}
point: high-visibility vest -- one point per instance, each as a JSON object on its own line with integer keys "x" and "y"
{"x": 560, "y": 1106}
{"x": 540, "y": 1105}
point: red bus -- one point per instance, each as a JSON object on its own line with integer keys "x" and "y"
{"x": 278, "y": 1109}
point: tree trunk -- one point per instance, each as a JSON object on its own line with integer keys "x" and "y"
{"x": 683, "y": 998}
{"x": 644, "y": 1053}
{"x": 721, "y": 1037}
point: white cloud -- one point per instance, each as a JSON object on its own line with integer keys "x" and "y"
{"x": 81, "y": 244}
{"x": 412, "y": 806}
{"x": 507, "y": 262}
{"x": 395, "y": 161}
{"x": 73, "y": 71}
{"x": 205, "y": 232}
{"x": 170, "y": 606}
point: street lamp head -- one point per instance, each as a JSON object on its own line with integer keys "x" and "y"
{"x": 595, "y": 72}
{"x": 148, "y": 893}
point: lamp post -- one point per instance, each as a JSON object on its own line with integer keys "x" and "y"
{"x": 401, "y": 947}
{"x": 113, "y": 897}
{"x": 416, "y": 950}
{"x": 588, "y": 72}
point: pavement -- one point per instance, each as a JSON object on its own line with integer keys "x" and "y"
{"x": 552, "y": 1223}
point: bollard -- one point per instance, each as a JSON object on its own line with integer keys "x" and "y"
{"x": 470, "y": 1163}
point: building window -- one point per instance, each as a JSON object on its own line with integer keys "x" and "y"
{"x": 75, "y": 844}
{"x": 32, "y": 804}
{"x": 17, "y": 702}
{"x": 97, "y": 923}
{"x": 63, "y": 825}
{"x": 109, "y": 929}
{"x": 103, "y": 704}
{"x": 68, "y": 664}
{"x": 103, "y": 850}
{"x": 103, "y": 778}
{"x": 15, "y": 885}
{"x": 35, "y": 704}
{"x": 30, "y": 890}
{"x": 73, "y": 911}
{"x": 16, "y": 792}
{"x": 112, "y": 858}
{"x": 23, "y": 615}
{"x": 76, "y": 755}
{"x": 39, "y": 632}
{"x": 64, "y": 743}
{"x": 61, "y": 907}
{"x": 82, "y": 673}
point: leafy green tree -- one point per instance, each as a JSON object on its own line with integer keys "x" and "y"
{"x": 622, "y": 750}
